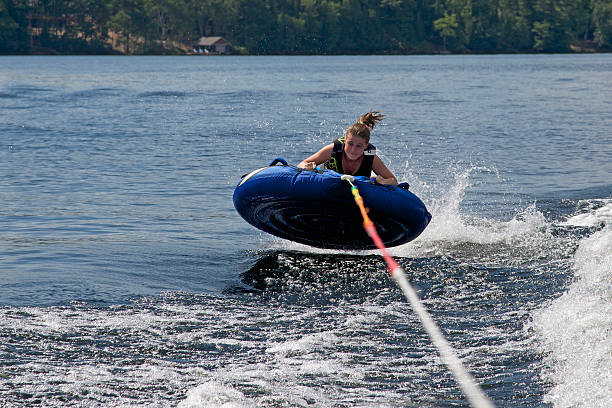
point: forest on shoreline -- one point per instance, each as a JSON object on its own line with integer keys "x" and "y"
{"x": 272, "y": 27}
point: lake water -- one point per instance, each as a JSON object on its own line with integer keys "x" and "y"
{"x": 128, "y": 279}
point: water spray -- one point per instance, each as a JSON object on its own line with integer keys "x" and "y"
{"x": 468, "y": 385}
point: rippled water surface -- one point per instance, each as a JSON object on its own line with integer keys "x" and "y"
{"x": 128, "y": 279}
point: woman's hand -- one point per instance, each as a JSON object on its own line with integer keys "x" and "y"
{"x": 383, "y": 174}
{"x": 391, "y": 180}
{"x": 310, "y": 163}
{"x": 307, "y": 165}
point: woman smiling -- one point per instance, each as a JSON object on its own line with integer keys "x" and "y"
{"x": 352, "y": 153}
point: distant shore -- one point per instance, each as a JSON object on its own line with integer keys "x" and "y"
{"x": 587, "y": 47}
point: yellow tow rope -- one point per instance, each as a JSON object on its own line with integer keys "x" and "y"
{"x": 470, "y": 389}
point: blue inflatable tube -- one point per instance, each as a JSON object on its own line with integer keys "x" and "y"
{"x": 317, "y": 208}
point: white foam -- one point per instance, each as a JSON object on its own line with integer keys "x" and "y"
{"x": 575, "y": 330}
{"x": 304, "y": 344}
{"x": 215, "y": 395}
{"x": 449, "y": 224}
{"x": 598, "y": 212}
{"x": 326, "y": 368}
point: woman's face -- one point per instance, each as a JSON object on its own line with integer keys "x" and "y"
{"x": 354, "y": 147}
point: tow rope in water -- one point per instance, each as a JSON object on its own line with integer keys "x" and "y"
{"x": 470, "y": 389}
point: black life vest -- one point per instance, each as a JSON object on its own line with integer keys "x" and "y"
{"x": 335, "y": 162}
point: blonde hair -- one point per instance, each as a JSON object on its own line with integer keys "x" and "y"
{"x": 366, "y": 122}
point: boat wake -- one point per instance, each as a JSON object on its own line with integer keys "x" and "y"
{"x": 575, "y": 330}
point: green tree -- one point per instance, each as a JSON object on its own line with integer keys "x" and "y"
{"x": 602, "y": 19}
{"x": 129, "y": 20}
{"x": 90, "y": 24}
{"x": 70, "y": 25}
{"x": 457, "y": 23}
{"x": 12, "y": 37}
{"x": 500, "y": 25}
{"x": 580, "y": 18}
{"x": 398, "y": 24}
{"x": 552, "y": 26}
{"x": 516, "y": 33}
{"x": 447, "y": 27}
{"x": 318, "y": 20}
{"x": 307, "y": 26}
{"x": 352, "y": 24}
{"x": 214, "y": 17}
{"x": 290, "y": 31}
{"x": 171, "y": 19}
{"x": 486, "y": 25}
{"x": 255, "y": 26}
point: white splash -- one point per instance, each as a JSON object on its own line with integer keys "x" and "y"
{"x": 597, "y": 212}
{"x": 575, "y": 330}
{"x": 215, "y": 395}
{"x": 450, "y": 224}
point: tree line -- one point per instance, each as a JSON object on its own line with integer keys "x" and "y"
{"x": 306, "y": 26}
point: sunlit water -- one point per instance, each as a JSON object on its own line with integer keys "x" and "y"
{"x": 127, "y": 278}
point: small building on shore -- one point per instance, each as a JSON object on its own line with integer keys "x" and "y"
{"x": 209, "y": 45}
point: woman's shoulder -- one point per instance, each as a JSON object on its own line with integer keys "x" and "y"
{"x": 325, "y": 152}
{"x": 328, "y": 147}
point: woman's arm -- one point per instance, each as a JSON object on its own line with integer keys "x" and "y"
{"x": 319, "y": 157}
{"x": 383, "y": 174}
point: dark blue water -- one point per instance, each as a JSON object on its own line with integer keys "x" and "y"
{"x": 127, "y": 278}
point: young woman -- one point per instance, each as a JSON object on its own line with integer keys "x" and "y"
{"x": 353, "y": 154}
